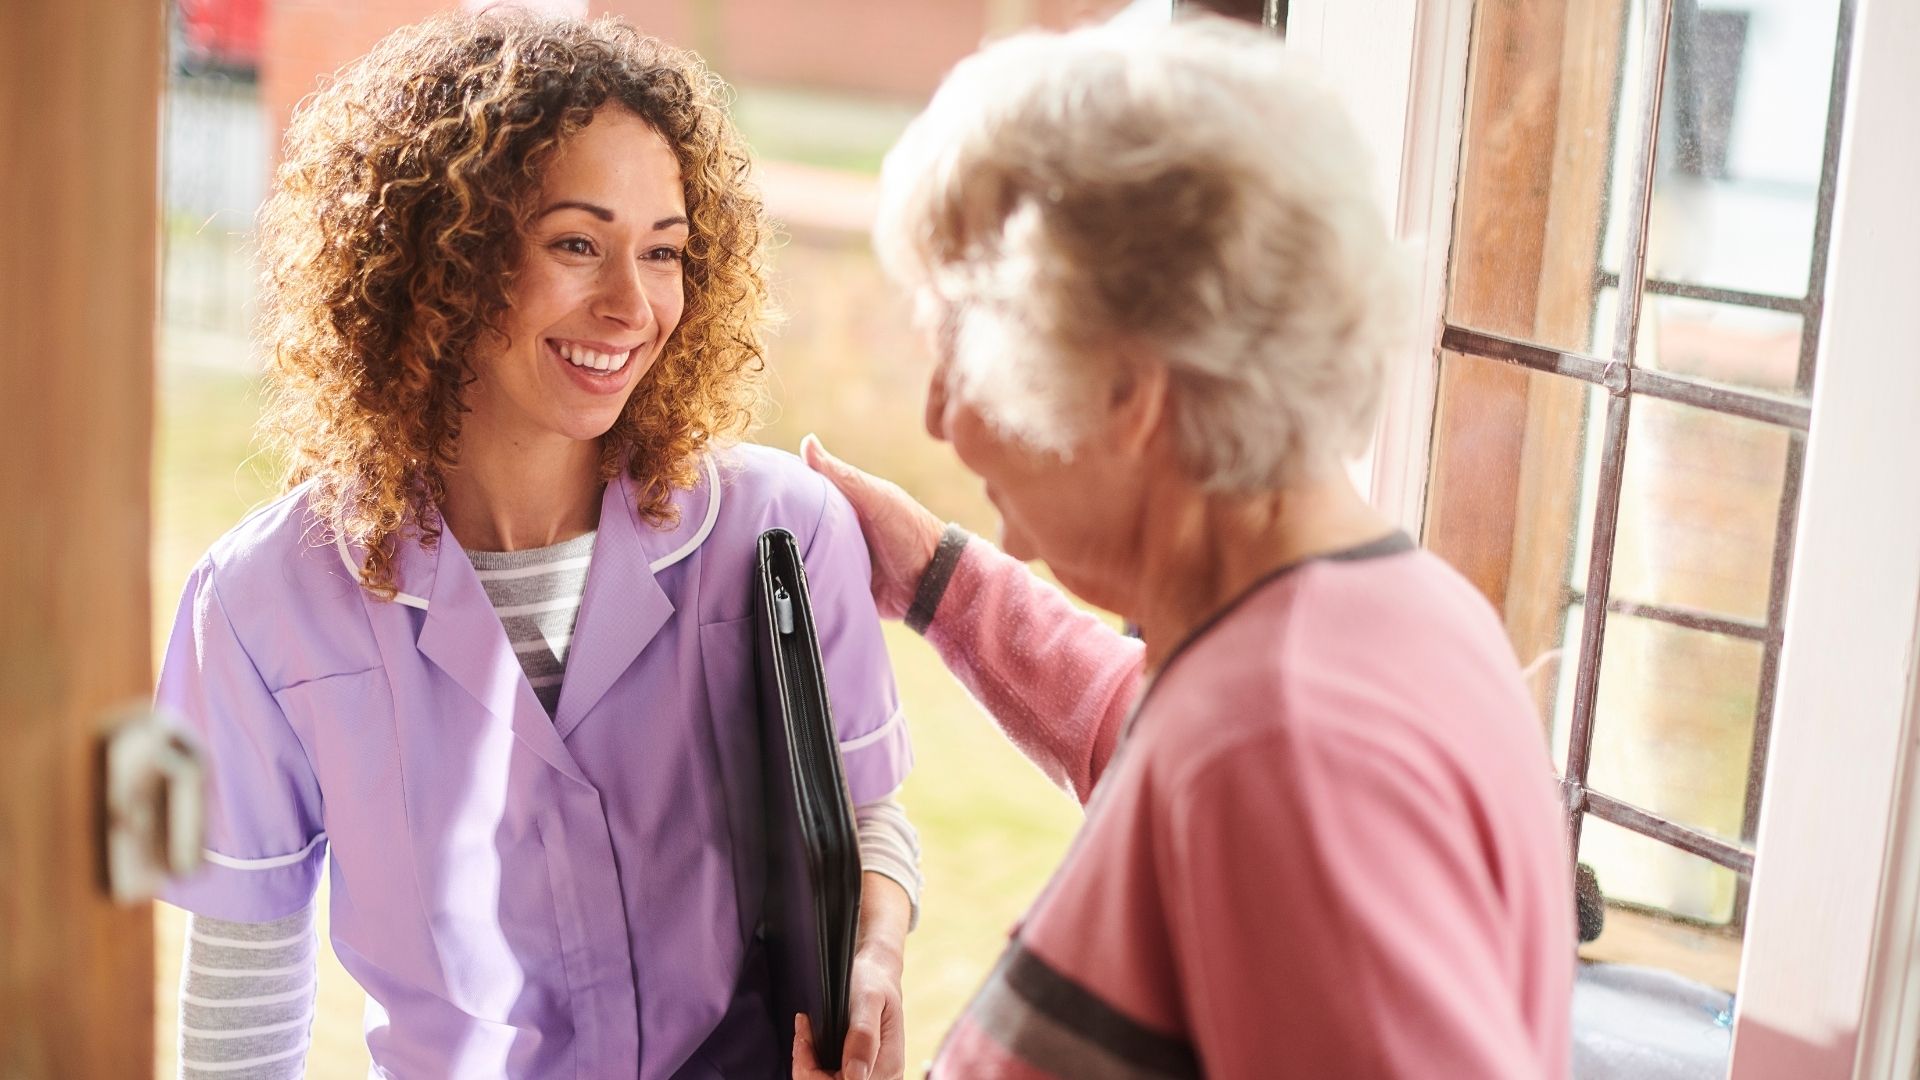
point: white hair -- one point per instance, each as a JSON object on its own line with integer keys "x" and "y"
{"x": 1187, "y": 192}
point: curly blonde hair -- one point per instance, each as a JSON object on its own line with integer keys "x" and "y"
{"x": 391, "y": 242}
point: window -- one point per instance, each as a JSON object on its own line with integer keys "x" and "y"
{"x": 1827, "y": 969}
{"x": 1618, "y": 466}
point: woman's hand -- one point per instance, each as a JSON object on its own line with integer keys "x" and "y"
{"x": 876, "y": 1046}
{"x": 901, "y": 534}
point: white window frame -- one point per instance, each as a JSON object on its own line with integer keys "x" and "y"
{"x": 1830, "y": 980}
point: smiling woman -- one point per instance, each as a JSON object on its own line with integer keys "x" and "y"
{"x": 487, "y": 661}
{"x": 429, "y": 164}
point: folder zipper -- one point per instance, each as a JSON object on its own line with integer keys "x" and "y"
{"x": 782, "y": 610}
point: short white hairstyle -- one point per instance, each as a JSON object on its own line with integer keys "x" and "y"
{"x": 1187, "y": 192}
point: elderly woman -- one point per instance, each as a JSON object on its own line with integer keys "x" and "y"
{"x": 1321, "y": 834}
{"x": 489, "y": 659}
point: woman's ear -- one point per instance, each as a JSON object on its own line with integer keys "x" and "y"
{"x": 1137, "y": 409}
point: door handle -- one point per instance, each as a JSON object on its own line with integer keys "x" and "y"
{"x": 155, "y": 815}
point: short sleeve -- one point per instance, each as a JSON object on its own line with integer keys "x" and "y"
{"x": 264, "y": 844}
{"x": 866, "y": 704}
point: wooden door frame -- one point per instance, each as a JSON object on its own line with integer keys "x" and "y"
{"x": 79, "y": 112}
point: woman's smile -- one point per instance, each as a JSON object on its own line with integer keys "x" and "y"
{"x": 595, "y": 366}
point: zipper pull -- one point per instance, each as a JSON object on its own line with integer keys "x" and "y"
{"x": 782, "y": 610}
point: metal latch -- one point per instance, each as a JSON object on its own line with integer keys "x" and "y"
{"x": 155, "y": 812}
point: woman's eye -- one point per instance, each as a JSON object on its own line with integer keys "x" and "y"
{"x": 575, "y": 245}
{"x": 666, "y": 254}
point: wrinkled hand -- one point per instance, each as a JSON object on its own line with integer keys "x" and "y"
{"x": 901, "y": 534}
{"x": 876, "y": 1046}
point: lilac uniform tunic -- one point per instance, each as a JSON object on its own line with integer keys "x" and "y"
{"x": 523, "y": 895}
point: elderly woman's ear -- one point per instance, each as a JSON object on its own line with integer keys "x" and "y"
{"x": 1138, "y": 409}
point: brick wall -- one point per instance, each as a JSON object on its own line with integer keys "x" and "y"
{"x": 303, "y": 40}
{"x": 884, "y": 48}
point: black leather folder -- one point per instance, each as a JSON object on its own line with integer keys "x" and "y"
{"x": 813, "y": 877}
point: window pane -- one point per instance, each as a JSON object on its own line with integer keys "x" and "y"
{"x": 1508, "y": 498}
{"x": 1641, "y": 870}
{"x": 1564, "y": 663}
{"x": 1516, "y": 476}
{"x": 1672, "y": 734}
{"x": 1622, "y": 858}
{"x": 1545, "y": 90}
{"x": 1743, "y": 125}
{"x": 1747, "y": 347}
{"x": 216, "y": 171}
{"x": 1699, "y": 506}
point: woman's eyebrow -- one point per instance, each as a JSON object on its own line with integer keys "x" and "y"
{"x": 605, "y": 214}
{"x": 600, "y": 212}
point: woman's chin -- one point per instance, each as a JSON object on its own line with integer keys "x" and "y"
{"x": 588, "y": 427}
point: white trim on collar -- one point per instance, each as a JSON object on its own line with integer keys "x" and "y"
{"x": 657, "y": 565}
{"x": 353, "y": 568}
{"x": 706, "y": 526}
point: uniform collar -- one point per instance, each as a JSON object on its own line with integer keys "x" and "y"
{"x": 416, "y": 567}
{"x": 622, "y": 610}
{"x": 624, "y": 605}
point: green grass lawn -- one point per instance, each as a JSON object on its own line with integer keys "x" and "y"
{"x": 990, "y": 826}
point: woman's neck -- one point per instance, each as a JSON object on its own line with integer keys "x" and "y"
{"x": 503, "y": 496}
{"x": 1202, "y": 551}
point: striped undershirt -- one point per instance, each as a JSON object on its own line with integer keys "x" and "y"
{"x": 246, "y": 998}
{"x": 537, "y": 594}
{"x": 247, "y": 989}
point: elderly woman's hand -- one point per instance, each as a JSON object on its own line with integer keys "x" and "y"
{"x": 901, "y": 534}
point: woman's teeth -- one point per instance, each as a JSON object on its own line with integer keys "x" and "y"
{"x": 592, "y": 360}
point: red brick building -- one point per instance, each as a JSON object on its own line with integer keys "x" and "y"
{"x": 882, "y": 48}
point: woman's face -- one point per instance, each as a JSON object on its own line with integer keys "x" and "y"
{"x": 598, "y": 291}
{"x": 1079, "y": 513}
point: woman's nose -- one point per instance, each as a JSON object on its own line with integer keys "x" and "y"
{"x": 623, "y": 296}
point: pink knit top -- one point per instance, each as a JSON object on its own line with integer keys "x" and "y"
{"x": 1327, "y": 845}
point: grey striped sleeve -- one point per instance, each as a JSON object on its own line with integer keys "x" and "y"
{"x": 889, "y": 845}
{"x": 246, "y": 998}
